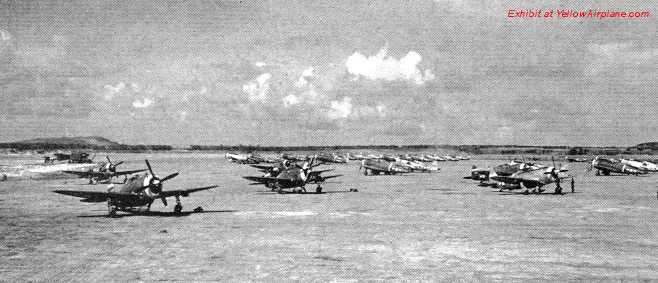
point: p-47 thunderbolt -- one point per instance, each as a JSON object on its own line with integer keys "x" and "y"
{"x": 533, "y": 179}
{"x": 139, "y": 191}
{"x": 376, "y": 166}
{"x": 642, "y": 165}
{"x": 606, "y": 166}
{"x": 105, "y": 173}
{"x": 296, "y": 177}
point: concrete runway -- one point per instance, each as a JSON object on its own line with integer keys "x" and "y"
{"x": 415, "y": 227}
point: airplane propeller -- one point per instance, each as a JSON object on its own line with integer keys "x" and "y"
{"x": 155, "y": 183}
{"x": 112, "y": 167}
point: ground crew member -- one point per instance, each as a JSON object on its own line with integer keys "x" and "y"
{"x": 573, "y": 186}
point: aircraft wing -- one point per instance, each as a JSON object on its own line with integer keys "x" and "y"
{"x": 261, "y": 180}
{"x": 507, "y": 179}
{"x": 89, "y": 196}
{"x": 262, "y": 167}
{"x": 84, "y": 174}
{"x": 184, "y": 193}
{"x": 320, "y": 171}
{"x": 120, "y": 173}
{"x": 266, "y": 180}
{"x": 375, "y": 168}
{"x": 325, "y": 178}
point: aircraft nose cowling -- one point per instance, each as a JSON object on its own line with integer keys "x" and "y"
{"x": 156, "y": 188}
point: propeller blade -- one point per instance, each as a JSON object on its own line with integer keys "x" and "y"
{"x": 108, "y": 159}
{"x": 164, "y": 200}
{"x": 553, "y": 159}
{"x": 169, "y": 177}
{"x": 118, "y": 163}
{"x": 148, "y": 165}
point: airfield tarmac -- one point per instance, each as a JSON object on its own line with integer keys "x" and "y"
{"x": 419, "y": 226}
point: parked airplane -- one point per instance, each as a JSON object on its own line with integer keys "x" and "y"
{"x": 331, "y": 157}
{"x": 533, "y": 179}
{"x": 642, "y": 165}
{"x": 507, "y": 169}
{"x": 376, "y": 166}
{"x": 414, "y": 166}
{"x": 105, "y": 173}
{"x": 355, "y": 156}
{"x": 245, "y": 158}
{"x": 606, "y": 166}
{"x": 139, "y": 191}
{"x": 296, "y": 178}
{"x": 479, "y": 174}
{"x": 434, "y": 157}
{"x": 74, "y": 157}
{"x": 294, "y": 157}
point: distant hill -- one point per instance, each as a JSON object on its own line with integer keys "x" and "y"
{"x": 71, "y": 143}
{"x": 92, "y": 142}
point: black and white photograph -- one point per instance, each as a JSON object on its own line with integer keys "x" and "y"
{"x": 328, "y": 141}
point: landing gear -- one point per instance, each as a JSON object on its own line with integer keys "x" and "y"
{"x": 365, "y": 172}
{"x": 111, "y": 209}
{"x": 318, "y": 189}
{"x": 178, "y": 208}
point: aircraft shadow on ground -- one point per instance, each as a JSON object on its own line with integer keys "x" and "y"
{"x": 302, "y": 193}
{"x": 532, "y": 194}
{"x": 155, "y": 214}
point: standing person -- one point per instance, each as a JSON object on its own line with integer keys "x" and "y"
{"x": 558, "y": 188}
{"x": 573, "y": 186}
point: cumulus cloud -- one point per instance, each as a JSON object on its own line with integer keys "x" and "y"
{"x": 304, "y": 79}
{"x": 291, "y": 100}
{"x": 340, "y": 109}
{"x": 111, "y": 91}
{"x": 384, "y": 67}
{"x": 146, "y": 102}
{"x": 257, "y": 89}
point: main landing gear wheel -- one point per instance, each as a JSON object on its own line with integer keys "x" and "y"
{"x": 318, "y": 189}
{"x": 178, "y": 208}
{"x": 111, "y": 210}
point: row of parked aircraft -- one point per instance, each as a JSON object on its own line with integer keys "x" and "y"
{"x": 292, "y": 173}
{"x": 517, "y": 175}
{"x": 328, "y": 157}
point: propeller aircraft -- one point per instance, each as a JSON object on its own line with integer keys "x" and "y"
{"x": 139, "y": 191}
{"x": 533, "y": 178}
{"x": 105, "y": 173}
{"x": 376, "y": 166}
{"x": 642, "y": 165}
{"x": 605, "y": 166}
{"x": 295, "y": 177}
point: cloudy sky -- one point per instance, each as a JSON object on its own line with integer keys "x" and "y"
{"x": 327, "y": 72}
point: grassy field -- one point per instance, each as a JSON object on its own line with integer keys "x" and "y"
{"x": 418, "y": 226}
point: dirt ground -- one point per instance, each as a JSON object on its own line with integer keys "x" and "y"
{"x": 417, "y": 227}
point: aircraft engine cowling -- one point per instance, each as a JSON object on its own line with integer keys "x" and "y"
{"x": 153, "y": 186}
